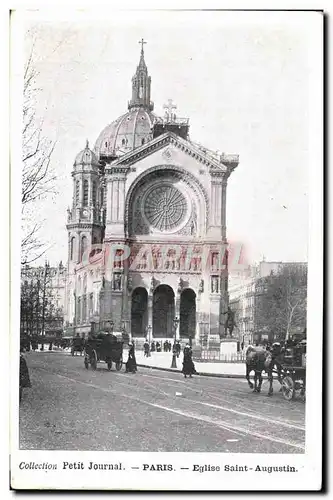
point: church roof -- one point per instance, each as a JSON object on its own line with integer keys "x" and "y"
{"x": 129, "y": 131}
{"x": 86, "y": 157}
{"x": 134, "y": 128}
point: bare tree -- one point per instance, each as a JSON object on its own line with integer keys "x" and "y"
{"x": 40, "y": 311}
{"x": 38, "y": 179}
{"x": 282, "y": 302}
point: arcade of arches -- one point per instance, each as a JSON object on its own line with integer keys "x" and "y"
{"x": 163, "y": 312}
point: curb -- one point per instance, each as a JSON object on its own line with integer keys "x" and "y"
{"x": 202, "y": 374}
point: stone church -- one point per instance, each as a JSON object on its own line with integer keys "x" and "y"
{"x": 147, "y": 245}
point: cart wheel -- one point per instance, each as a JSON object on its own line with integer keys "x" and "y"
{"x": 109, "y": 363}
{"x": 86, "y": 362}
{"x": 288, "y": 388}
{"x": 93, "y": 360}
{"x": 119, "y": 365}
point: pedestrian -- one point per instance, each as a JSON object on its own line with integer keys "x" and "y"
{"x": 152, "y": 347}
{"x": 24, "y": 374}
{"x": 34, "y": 343}
{"x": 188, "y": 365}
{"x": 158, "y": 347}
{"x": 131, "y": 366}
{"x": 146, "y": 349}
{"x": 178, "y": 348}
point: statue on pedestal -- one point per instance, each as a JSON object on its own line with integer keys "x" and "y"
{"x": 180, "y": 285}
{"x": 117, "y": 282}
{"x": 129, "y": 283}
{"x": 152, "y": 285}
{"x": 230, "y": 323}
{"x": 201, "y": 286}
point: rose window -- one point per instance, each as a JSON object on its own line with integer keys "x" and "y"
{"x": 165, "y": 207}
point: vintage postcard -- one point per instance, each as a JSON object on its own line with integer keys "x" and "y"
{"x": 166, "y": 320}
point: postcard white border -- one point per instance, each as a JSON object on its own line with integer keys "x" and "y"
{"x": 309, "y": 464}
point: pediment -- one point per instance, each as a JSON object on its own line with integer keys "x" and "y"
{"x": 170, "y": 142}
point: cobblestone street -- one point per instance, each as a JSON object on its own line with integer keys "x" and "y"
{"x": 71, "y": 408}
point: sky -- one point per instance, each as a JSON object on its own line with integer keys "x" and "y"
{"x": 242, "y": 80}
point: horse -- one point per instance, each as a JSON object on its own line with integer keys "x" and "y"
{"x": 259, "y": 360}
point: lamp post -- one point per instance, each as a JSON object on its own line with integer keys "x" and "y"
{"x": 175, "y": 326}
{"x": 149, "y": 329}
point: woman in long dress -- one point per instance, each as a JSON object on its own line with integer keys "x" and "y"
{"x": 131, "y": 362}
{"x": 188, "y": 365}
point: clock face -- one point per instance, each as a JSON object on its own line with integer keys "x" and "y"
{"x": 85, "y": 213}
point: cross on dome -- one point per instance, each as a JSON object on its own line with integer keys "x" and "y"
{"x": 142, "y": 41}
{"x": 169, "y": 110}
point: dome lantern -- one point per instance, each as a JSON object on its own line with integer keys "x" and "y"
{"x": 141, "y": 83}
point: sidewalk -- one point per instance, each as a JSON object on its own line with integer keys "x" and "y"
{"x": 162, "y": 361}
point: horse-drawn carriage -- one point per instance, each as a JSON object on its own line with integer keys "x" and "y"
{"x": 292, "y": 369}
{"x": 77, "y": 345}
{"x": 287, "y": 361}
{"x": 104, "y": 347}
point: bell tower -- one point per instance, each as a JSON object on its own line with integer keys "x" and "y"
{"x": 141, "y": 83}
{"x": 85, "y": 219}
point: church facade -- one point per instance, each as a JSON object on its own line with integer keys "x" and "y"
{"x": 147, "y": 244}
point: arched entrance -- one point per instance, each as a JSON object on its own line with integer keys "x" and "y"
{"x": 163, "y": 311}
{"x": 187, "y": 325}
{"x": 139, "y": 312}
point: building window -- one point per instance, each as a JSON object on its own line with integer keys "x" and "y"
{"x": 83, "y": 246}
{"x": 91, "y": 305}
{"x": 77, "y": 192}
{"x": 94, "y": 193}
{"x": 142, "y": 141}
{"x": 102, "y": 196}
{"x": 78, "y": 312}
{"x": 84, "y": 309}
{"x": 85, "y": 192}
{"x": 72, "y": 248}
{"x": 123, "y": 142}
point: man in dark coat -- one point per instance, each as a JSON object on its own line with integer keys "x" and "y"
{"x": 146, "y": 349}
{"x": 131, "y": 362}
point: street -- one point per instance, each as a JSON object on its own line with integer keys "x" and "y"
{"x": 71, "y": 408}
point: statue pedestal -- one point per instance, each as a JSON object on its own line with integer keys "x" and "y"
{"x": 228, "y": 346}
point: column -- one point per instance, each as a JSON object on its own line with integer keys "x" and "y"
{"x": 218, "y": 202}
{"x": 116, "y": 202}
{"x": 177, "y": 314}
{"x": 223, "y": 207}
{"x": 197, "y": 320}
{"x": 150, "y": 318}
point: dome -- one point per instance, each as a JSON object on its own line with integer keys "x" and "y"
{"x": 131, "y": 130}
{"x": 86, "y": 157}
